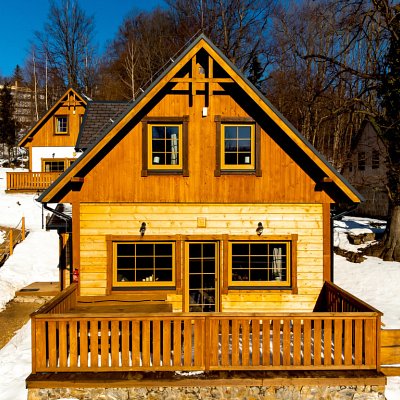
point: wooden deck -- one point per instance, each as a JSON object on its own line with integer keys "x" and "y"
{"x": 30, "y": 181}
{"x": 213, "y": 378}
{"x": 69, "y": 336}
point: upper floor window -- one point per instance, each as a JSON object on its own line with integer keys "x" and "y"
{"x": 165, "y": 145}
{"x": 375, "y": 159}
{"x": 61, "y": 124}
{"x": 56, "y": 164}
{"x": 238, "y": 146}
{"x": 237, "y": 150}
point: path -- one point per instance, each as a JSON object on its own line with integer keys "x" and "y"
{"x": 15, "y": 316}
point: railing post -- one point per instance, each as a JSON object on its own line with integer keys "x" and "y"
{"x": 33, "y": 335}
{"x": 207, "y": 343}
{"x": 10, "y": 236}
{"x": 23, "y": 228}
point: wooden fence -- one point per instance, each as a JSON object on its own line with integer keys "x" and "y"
{"x": 202, "y": 341}
{"x": 30, "y": 181}
{"x": 14, "y": 236}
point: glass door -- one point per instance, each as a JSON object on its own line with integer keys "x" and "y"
{"x": 201, "y": 267}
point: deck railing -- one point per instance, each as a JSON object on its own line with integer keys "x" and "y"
{"x": 30, "y": 181}
{"x": 202, "y": 341}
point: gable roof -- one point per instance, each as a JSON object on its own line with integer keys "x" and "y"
{"x": 32, "y": 131}
{"x": 98, "y": 116}
{"x": 280, "y": 129}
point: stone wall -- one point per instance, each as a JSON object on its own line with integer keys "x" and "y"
{"x": 220, "y": 393}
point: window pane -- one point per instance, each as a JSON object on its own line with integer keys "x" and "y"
{"x": 259, "y": 248}
{"x": 208, "y": 250}
{"x": 163, "y": 262}
{"x": 244, "y": 132}
{"x": 231, "y": 158}
{"x": 244, "y": 158}
{"x": 125, "y": 249}
{"x": 126, "y": 276}
{"x": 230, "y": 132}
{"x": 163, "y": 276}
{"x": 244, "y": 145}
{"x": 144, "y": 249}
{"x": 158, "y": 146}
{"x": 195, "y": 250}
{"x": 158, "y": 132}
{"x": 209, "y": 266}
{"x": 125, "y": 262}
{"x": 144, "y": 262}
{"x": 172, "y": 132}
{"x": 159, "y": 158}
{"x": 240, "y": 248}
{"x": 163, "y": 249}
{"x": 231, "y": 145}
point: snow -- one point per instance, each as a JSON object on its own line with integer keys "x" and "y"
{"x": 36, "y": 258}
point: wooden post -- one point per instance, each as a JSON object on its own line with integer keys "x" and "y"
{"x": 23, "y": 228}
{"x": 11, "y": 241}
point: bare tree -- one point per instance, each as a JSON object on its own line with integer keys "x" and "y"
{"x": 66, "y": 41}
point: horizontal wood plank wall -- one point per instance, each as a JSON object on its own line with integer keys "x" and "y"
{"x": 117, "y": 177}
{"x": 45, "y": 136}
{"x": 305, "y": 220}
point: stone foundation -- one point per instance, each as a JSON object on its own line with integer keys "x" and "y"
{"x": 217, "y": 392}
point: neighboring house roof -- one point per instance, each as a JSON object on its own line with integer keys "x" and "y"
{"x": 99, "y": 115}
{"x": 278, "y": 128}
{"x": 57, "y": 222}
{"x": 32, "y": 131}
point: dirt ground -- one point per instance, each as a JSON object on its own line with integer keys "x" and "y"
{"x": 16, "y": 315}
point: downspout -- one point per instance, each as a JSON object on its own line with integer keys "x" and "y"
{"x": 67, "y": 219}
{"x": 334, "y": 218}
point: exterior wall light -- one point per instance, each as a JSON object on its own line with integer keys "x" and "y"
{"x": 259, "y": 229}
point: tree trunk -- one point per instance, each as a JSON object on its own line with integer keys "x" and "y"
{"x": 389, "y": 247}
{"x": 391, "y": 240}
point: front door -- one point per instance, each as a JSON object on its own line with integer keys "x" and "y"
{"x": 202, "y": 277}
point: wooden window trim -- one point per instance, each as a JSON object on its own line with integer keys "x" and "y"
{"x": 56, "y": 132}
{"x": 67, "y": 162}
{"x": 229, "y": 287}
{"x": 147, "y": 169}
{"x": 219, "y": 168}
{"x": 176, "y": 287}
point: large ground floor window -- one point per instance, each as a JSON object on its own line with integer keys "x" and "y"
{"x": 144, "y": 263}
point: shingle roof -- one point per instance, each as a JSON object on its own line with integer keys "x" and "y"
{"x": 99, "y": 115}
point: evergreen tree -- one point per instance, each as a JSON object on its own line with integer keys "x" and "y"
{"x": 18, "y": 76}
{"x": 255, "y": 72}
{"x": 8, "y": 124}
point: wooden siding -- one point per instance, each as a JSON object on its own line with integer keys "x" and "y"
{"x": 117, "y": 176}
{"x": 305, "y": 220}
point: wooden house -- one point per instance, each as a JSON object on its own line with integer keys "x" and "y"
{"x": 51, "y": 143}
{"x": 366, "y": 170}
{"x": 201, "y": 234}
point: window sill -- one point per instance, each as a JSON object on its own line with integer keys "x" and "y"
{"x": 148, "y": 172}
{"x": 142, "y": 288}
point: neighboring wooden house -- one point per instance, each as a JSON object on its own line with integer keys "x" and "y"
{"x": 51, "y": 143}
{"x": 366, "y": 170}
{"x": 201, "y": 233}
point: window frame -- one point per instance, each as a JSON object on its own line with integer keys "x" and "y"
{"x": 148, "y": 168}
{"x": 56, "y": 131}
{"x": 144, "y": 288}
{"x": 375, "y": 159}
{"x": 254, "y": 167}
{"x": 142, "y": 284}
{"x": 66, "y": 161}
{"x": 238, "y": 286}
{"x": 266, "y": 283}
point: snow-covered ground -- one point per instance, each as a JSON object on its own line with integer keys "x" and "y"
{"x": 35, "y": 259}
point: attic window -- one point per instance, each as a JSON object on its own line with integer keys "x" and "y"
{"x": 238, "y": 146}
{"x": 165, "y": 145}
{"x": 61, "y": 124}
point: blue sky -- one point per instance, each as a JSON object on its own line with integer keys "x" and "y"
{"x": 21, "y": 18}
